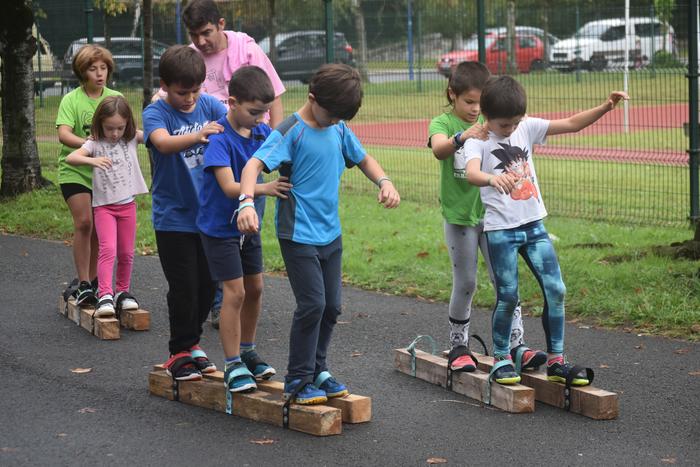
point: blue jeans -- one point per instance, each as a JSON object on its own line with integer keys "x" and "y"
{"x": 260, "y": 210}
{"x": 314, "y": 273}
{"x": 532, "y": 242}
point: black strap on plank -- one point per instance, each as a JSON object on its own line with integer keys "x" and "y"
{"x": 570, "y": 378}
{"x": 285, "y": 408}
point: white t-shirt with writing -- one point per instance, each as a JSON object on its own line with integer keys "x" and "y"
{"x": 514, "y": 155}
{"x": 121, "y": 182}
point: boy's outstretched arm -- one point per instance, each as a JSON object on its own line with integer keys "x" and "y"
{"x": 388, "y": 195}
{"x": 247, "y": 219}
{"x": 166, "y": 143}
{"x": 581, "y": 120}
{"x": 504, "y": 183}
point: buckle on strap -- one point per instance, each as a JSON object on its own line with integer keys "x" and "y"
{"x": 285, "y": 408}
{"x": 570, "y": 378}
{"x": 412, "y": 350}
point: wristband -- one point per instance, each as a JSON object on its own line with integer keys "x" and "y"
{"x": 381, "y": 179}
{"x": 456, "y": 142}
{"x": 243, "y": 206}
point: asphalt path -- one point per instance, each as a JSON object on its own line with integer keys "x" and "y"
{"x": 51, "y": 416}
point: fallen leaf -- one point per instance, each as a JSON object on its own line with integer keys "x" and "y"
{"x": 262, "y": 441}
{"x": 422, "y": 254}
{"x": 342, "y": 322}
{"x": 583, "y": 326}
{"x": 603, "y": 365}
{"x": 639, "y": 347}
{"x": 61, "y": 435}
{"x": 81, "y": 370}
{"x": 695, "y": 328}
{"x": 437, "y": 460}
{"x": 356, "y": 354}
{"x": 681, "y": 351}
{"x": 669, "y": 460}
{"x": 362, "y": 315}
{"x": 694, "y": 373}
{"x": 5, "y": 449}
{"x": 87, "y": 410}
{"x": 404, "y": 313}
{"x": 25, "y": 253}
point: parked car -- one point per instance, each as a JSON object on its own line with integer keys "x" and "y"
{"x": 301, "y": 53}
{"x": 551, "y": 39}
{"x": 601, "y": 44}
{"x": 529, "y": 54}
{"x": 127, "y": 53}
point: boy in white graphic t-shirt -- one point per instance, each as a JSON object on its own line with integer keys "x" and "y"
{"x": 504, "y": 169}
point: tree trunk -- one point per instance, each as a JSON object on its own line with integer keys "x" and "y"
{"x": 137, "y": 18}
{"x": 21, "y": 167}
{"x": 147, "y": 52}
{"x": 361, "y": 31}
{"x": 272, "y": 31}
{"x": 105, "y": 30}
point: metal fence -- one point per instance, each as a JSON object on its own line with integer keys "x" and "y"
{"x": 631, "y": 166}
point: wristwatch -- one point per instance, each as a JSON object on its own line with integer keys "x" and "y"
{"x": 244, "y": 197}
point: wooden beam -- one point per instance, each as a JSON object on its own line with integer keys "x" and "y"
{"x": 589, "y": 401}
{"x": 104, "y": 328}
{"x": 319, "y": 420}
{"x": 136, "y": 320}
{"x": 355, "y": 409}
{"x": 514, "y": 398}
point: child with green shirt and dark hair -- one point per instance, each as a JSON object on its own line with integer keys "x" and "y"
{"x": 463, "y": 212}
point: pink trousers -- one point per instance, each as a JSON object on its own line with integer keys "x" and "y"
{"x": 115, "y": 225}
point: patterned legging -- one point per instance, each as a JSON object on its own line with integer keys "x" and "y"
{"x": 532, "y": 242}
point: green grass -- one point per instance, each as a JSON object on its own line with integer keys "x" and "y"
{"x": 402, "y": 252}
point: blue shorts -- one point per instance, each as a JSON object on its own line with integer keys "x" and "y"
{"x": 227, "y": 260}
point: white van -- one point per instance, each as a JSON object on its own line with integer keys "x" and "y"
{"x": 601, "y": 44}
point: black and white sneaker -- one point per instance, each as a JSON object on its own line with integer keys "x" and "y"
{"x": 126, "y": 301}
{"x": 105, "y": 307}
{"x": 71, "y": 290}
{"x": 85, "y": 295}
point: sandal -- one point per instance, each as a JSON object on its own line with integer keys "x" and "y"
{"x": 503, "y": 372}
{"x": 238, "y": 378}
{"x": 526, "y": 358}
{"x": 201, "y": 360}
{"x": 182, "y": 367}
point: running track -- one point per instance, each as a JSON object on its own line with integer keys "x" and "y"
{"x": 413, "y": 133}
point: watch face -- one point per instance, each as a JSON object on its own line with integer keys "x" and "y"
{"x": 242, "y": 197}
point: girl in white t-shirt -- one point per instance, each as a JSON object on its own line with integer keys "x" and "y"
{"x": 116, "y": 180}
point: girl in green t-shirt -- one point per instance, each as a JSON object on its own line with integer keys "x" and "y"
{"x": 463, "y": 212}
{"x": 93, "y": 66}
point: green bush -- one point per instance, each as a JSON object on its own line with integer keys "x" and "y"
{"x": 664, "y": 59}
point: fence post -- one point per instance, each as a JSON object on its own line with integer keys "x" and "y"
{"x": 178, "y": 20}
{"x": 409, "y": 37}
{"x": 419, "y": 27}
{"x": 88, "y": 20}
{"x": 330, "y": 34}
{"x": 693, "y": 132}
{"x": 481, "y": 30}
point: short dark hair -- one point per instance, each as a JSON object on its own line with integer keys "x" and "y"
{"x": 110, "y": 106}
{"x": 467, "y": 76}
{"x": 182, "y": 65}
{"x": 338, "y": 89}
{"x": 251, "y": 83}
{"x": 503, "y": 97}
{"x": 198, "y": 13}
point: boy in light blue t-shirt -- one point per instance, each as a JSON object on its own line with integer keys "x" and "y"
{"x": 312, "y": 148}
{"x": 235, "y": 260}
{"x": 176, "y": 130}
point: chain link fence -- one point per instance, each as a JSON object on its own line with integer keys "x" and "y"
{"x": 630, "y": 167}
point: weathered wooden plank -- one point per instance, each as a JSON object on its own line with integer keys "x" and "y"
{"x": 355, "y": 408}
{"x": 589, "y": 401}
{"x": 136, "y": 320}
{"x": 104, "y": 328}
{"x": 514, "y": 398}
{"x": 319, "y": 420}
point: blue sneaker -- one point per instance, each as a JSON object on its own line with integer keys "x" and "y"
{"x": 237, "y": 378}
{"x": 327, "y": 383}
{"x": 257, "y": 366}
{"x": 308, "y": 395}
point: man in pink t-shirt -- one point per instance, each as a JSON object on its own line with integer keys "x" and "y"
{"x": 224, "y": 52}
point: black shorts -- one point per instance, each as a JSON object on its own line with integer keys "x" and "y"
{"x": 227, "y": 260}
{"x": 70, "y": 189}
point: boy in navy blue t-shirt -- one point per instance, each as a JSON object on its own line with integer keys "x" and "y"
{"x": 176, "y": 130}
{"x": 312, "y": 148}
{"x": 234, "y": 259}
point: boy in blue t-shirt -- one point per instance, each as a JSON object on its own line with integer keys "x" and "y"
{"x": 312, "y": 148}
{"x": 235, "y": 260}
{"x": 176, "y": 130}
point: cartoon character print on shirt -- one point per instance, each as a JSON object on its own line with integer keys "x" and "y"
{"x": 514, "y": 160}
{"x": 193, "y": 156}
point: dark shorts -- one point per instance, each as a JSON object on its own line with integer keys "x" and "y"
{"x": 70, "y": 189}
{"x": 227, "y": 260}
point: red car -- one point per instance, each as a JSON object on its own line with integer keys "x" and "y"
{"x": 529, "y": 54}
